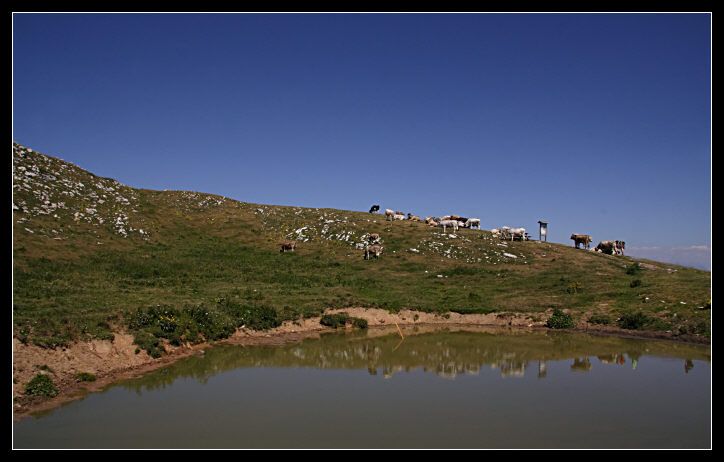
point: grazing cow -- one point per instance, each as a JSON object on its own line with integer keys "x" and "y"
{"x": 431, "y": 221}
{"x": 620, "y": 247}
{"x": 389, "y": 214}
{"x": 287, "y": 245}
{"x": 607, "y": 247}
{"x": 584, "y": 239}
{"x": 412, "y": 217}
{"x": 496, "y": 232}
{"x": 506, "y": 232}
{"x": 373, "y": 238}
{"x": 399, "y": 216}
{"x": 374, "y": 209}
{"x": 517, "y": 234}
{"x": 452, "y": 223}
{"x": 374, "y": 249}
{"x": 473, "y": 223}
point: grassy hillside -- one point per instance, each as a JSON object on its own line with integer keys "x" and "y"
{"x": 89, "y": 252}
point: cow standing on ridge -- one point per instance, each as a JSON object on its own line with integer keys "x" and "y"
{"x": 579, "y": 239}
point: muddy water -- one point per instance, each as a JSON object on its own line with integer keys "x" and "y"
{"x": 442, "y": 389}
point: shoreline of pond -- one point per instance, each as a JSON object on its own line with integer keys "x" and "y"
{"x": 115, "y": 361}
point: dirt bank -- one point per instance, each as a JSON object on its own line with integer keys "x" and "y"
{"x": 117, "y": 360}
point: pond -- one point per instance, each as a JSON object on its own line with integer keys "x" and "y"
{"x": 442, "y": 388}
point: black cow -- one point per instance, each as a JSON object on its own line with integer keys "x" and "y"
{"x": 374, "y": 208}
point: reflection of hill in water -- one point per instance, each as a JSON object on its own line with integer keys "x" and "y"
{"x": 446, "y": 354}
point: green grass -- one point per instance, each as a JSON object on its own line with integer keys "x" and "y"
{"x": 218, "y": 267}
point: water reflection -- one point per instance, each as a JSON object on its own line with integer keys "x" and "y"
{"x": 449, "y": 389}
{"x": 688, "y": 365}
{"x": 445, "y": 354}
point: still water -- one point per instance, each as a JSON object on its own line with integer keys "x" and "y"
{"x": 441, "y": 389}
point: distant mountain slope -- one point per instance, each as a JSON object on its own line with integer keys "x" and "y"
{"x": 89, "y": 251}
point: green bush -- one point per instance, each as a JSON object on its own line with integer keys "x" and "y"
{"x": 258, "y": 317}
{"x": 560, "y": 320}
{"x": 359, "y": 323}
{"x": 334, "y": 320}
{"x": 635, "y": 283}
{"x": 197, "y": 323}
{"x": 633, "y": 269}
{"x": 599, "y": 319}
{"x": 85, "y": 377}
{"x": 41, "y": 385}
{"x": 633, "y": 321}
{"x": 149, "y": 342}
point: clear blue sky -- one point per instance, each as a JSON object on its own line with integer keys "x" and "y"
{"x": 599, "y": 123}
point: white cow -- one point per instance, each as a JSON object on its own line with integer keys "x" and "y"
{"x": 389, "y": 214}
{"x": 452, "y": 223}
{"x": 399, "y": 216}
{"x": 506, "y": 232}
{"x": 473, "y": 223}
{"x": 518, "y": 233}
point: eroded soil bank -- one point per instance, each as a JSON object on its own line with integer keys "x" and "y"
{"x": 117, "y": 360}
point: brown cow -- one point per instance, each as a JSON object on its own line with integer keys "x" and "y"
{"x": 584, "y": 239}
{"x": 374, "y": 249}
{"x": 287, "y": 245}
{"x": 607, "y": 247}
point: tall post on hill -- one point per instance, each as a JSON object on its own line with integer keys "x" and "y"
{"x": 543, "y": 231}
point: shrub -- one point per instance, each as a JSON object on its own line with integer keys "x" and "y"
{"x": 41, "y": 385}
{"x": 635, "y": 283}
{"x": 149, "y": 342}
{"x": 599, "y": 319}
{"x": 260, "y": 317}
{"x": 334, "y": 320}
{"x": 359, "y": 323}
{"x": 560, "y": 320}
{"x": 636, "y": 320}
{"x": 633, "y": 268}
{"x": 85, "y": 377}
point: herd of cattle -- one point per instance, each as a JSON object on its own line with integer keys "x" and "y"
{"x": 373, "y": 247}
{"x": 448, "y": 221}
